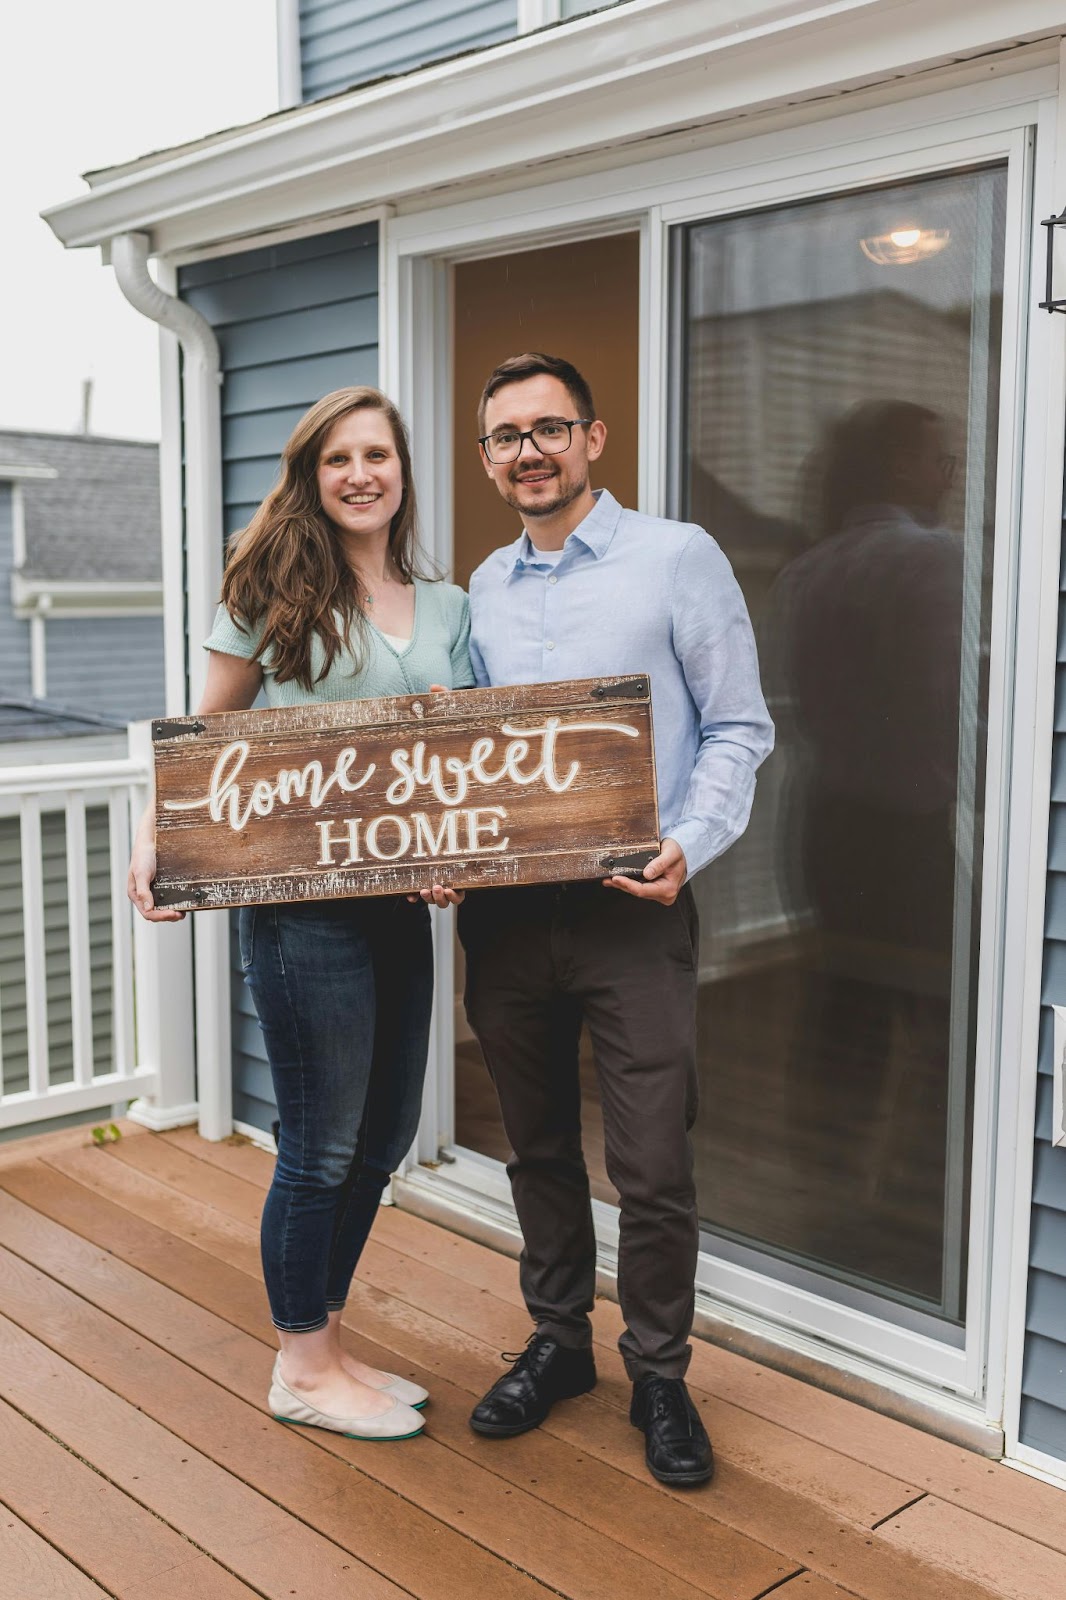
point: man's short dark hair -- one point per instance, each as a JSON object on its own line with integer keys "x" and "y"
{"x": 532, "y": 365}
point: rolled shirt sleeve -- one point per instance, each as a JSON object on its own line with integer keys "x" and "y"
{"x": 231, "y": 640}
{"x": 715, "y": 646}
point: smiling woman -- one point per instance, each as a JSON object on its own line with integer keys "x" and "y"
{"x": 342, "y": 989}
{"x": 335, "y": 537}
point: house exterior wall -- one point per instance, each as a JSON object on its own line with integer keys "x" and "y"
{"x": 112, "y": 666}
{"x": 264, "y": 377}
{"x": 344, "y": 42}
{"x": 293, "y": 322}
{"x": 15, "y": 675}
{"x": 1043, "y": 1410}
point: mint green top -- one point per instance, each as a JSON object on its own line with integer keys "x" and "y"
{"x": 437, "y": 652}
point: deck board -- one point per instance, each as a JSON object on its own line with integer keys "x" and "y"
{"x": 460, "y": 1494}
{"x": 137, "y": 1348}
{"x": 992, "y": 1555}
{"x": 767, "y": 1512}
{"x": 842, "y": 1484}
{"x": 30, "y": 1566}
{"x": 416, "y": 1552}
{"x": 719, "y": 1561}
{"x": 255, "y": 1538}
{"x": 90, "y": 1522}
{"x": 1025, "y": 1505}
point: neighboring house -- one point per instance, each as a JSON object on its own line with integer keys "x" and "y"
{"x": 704, "y": 205}
{"x": 81, "y": 655}
{"x": 81, "y": 598}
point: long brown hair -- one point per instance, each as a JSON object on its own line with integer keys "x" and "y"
{"x": 287, "y": 571}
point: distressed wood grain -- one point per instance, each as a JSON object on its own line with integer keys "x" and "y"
{"x": 529, "y": 784}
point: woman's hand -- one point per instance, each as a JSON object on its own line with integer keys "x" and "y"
{"x": 442, "y": 895}
{"x": 141, "y": 873}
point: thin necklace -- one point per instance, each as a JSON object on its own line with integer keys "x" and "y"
{"x": 367, "y": 597}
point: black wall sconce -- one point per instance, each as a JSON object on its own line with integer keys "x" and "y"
{"x": 1051, "y": 223}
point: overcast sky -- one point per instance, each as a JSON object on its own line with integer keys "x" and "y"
{"x": 87, "y": 83}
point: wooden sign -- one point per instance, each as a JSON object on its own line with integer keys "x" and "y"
{"x": 543, "y": 783}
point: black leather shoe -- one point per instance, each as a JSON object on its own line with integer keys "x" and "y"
{"x": 676, "y": 1446}
{"x": 546, "y": 1371}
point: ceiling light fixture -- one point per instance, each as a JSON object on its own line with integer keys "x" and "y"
{"x": 904, "y": 245}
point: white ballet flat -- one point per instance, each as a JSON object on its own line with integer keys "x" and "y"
{"x": 408, "y": 1394}
{"x": 399, "y": 1422}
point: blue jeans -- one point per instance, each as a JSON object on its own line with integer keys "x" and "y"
{"x": 343, "y": 991}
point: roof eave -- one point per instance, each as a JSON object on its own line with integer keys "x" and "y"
{"x": 640, "y": 70}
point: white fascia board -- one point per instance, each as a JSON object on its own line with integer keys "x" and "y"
{"x": 634, "y": 72}
{"x": 66, "y": 598}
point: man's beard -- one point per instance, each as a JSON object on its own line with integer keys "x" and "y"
{"x": 544, "y": 508}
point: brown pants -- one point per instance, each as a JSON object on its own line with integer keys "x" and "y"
{"x": 540, "y": 960}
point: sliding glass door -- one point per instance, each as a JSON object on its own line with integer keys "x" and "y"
{"x": 835, "y": 429}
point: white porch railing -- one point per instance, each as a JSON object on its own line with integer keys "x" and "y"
{"x": 92, "y": 1013}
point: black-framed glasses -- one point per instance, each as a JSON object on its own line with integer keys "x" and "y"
{"x": 550, "y": 438}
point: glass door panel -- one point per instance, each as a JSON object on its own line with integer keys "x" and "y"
{"x": 837, "y": 402}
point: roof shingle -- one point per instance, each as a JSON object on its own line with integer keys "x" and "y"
{"x": 97, "y": 520}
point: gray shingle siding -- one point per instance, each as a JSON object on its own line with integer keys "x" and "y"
{"x": 293, "y": 321}
{"x": 15, "y": 676}
{"x": 345, "y": 42}
{"x": 110, "y": 665}
{"x": 97, "y": 519}
{"x": 1043, "y": 1416}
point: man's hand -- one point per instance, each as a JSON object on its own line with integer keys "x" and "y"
{"x": 662, "y": 879}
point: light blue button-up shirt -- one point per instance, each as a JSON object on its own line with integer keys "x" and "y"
{"x": 640, "y": 594}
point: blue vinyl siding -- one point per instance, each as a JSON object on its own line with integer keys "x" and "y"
{"x": 109, "y": 665}
{"x": 1043, "y": 1419}
{"x": 293, "y": 321}
{"x": 15, "y": 674}
{"x": 345, "y": 42}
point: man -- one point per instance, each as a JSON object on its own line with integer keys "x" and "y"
{"x": 590, "y": 590}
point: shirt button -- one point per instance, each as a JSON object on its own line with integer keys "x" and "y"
{"x": 553, "y": 579}
{"x": 549, "y": 644}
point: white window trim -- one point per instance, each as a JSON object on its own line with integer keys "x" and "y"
{"x": 908, "y": 137}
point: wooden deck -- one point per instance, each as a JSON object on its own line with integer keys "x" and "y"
{"x": 139, "y": 1461}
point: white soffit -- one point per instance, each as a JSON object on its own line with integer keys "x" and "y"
{"x": 640, "y": 70}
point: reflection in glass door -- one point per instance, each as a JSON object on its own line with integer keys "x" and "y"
{"x": 836, "y": 432}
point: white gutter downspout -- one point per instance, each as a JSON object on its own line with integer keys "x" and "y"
{"x": 202, "y": 419}
{"x": 201, "y": 386}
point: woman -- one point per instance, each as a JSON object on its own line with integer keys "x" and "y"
{"x": 322, "y": 600}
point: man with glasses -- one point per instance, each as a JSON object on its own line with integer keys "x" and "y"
{"x": 591, "y": 590}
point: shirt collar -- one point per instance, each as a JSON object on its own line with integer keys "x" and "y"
{"x": 595, "y": 531}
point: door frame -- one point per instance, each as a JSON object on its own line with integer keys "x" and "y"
{"x": 1010, "y": 118}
